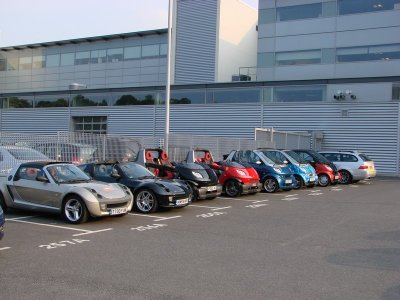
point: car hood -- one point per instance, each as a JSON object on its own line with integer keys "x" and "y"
{"x": 170, "y": 185}
{"x": 107, "y": 190}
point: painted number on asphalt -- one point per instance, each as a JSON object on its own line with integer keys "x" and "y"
{"x": 148, "y": 227}
{"x": 211, "y": 214}
{"x": 63, "y": 244}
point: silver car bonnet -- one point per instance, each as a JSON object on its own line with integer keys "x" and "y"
{"x": 107, "y": 190}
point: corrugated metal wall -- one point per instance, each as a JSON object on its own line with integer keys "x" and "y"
{"x": 196, "y": 41}
{"x": 370, "y": 127}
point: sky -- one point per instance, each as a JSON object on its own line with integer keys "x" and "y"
{"x": 33, "y": 21}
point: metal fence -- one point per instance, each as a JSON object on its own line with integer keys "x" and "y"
{"x": 271, "y": 138}
{"x": 80, "y": 148}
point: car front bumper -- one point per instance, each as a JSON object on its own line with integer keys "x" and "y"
{"x": 110, "y": 207}
{"x": 206, "y": 192}
{"x": 249, "y": 188}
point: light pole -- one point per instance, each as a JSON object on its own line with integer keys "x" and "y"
{"x": 73, "y": 87}
{"x": 167, "y": 87}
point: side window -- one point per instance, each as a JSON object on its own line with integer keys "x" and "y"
{"x": 348, "y": 158}
{"x": 331, "y": 156}
{"x": 253, "y": 158}
{"x": 28, "y": 173}
{"x": 103, "y": 170}
{"x": 280, "y": 157}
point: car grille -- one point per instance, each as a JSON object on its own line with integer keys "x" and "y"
{"x": 116, "y": 205}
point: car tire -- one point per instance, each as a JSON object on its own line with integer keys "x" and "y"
{"x": 145, "y": 201}
{"x": 74, "y": 210}
{"x": 345, "y": 177}
{"x": 232, "y": 188}
{"x": 299, "y": 184}
{"x": 270, "y": 185}
{"x": 323, "y": 180}
{"x": 3, "y": 203}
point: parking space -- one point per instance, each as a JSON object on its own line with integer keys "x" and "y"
{"x": 268, "y": 237}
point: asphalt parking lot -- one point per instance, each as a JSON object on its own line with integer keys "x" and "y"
{"x": 340, "y": 242}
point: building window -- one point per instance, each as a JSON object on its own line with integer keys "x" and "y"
{"x": 51, "y": 101}
{"x": 18, "y": 102}
{"x": 3, "y": 62}
{"x": 266, "y": 59}
{"x": 298, "y": 12}
{"x": 38, "y": 61}
{"x": 367, "y": 53}
{"x": 163, "y": 49}
{"x": 25, "y": 62}
{"x": 99, "y": 99}
{"x": 82, "y": 58}
{"x": 396, "y": 91}
{"x": 150, "y": 50}
{"x": 299, "y": 93}
{"x": 53, "y": 60}
{"x": 267, "y": 16}
{"x": 347, "y": 7}
{"x": 90, "y": 124}
{"x": 98, "y": 56}
{"x": 133, "y": 99}
{"x": 298, "y": 57}
{"x": 132, "y": 53}
{"x": 67, "y": 59}
{"x": 115, "y": 55}
{"x": 184, "y": 97}
{"x": 235, "y": 95}
{"x": 12, "y": 61}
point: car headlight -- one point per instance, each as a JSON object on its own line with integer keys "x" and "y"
{"x": 197, "y": 175}
{"x": 94, "y": 192}
{"x": 241, "y": 172}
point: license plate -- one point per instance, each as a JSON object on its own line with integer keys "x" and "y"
{"x": 211, "y": 188}
{"x": 118, "y": 211}
{"x": 287, "y": 181}
{"x": 312, "y": 179}
{"x": 336, "y": 176}
{"x": 182, "y": 201}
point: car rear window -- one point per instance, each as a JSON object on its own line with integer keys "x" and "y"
{"x": 364, "y": 157}
{"x": 348, "y": 158}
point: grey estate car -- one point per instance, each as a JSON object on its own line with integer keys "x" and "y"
{"x": 62, "y": 188}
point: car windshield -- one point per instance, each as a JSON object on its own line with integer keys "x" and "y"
{"x": 294, "y": 156}
{"x": 66, "y": 173}
{"x": 266, "y": 159}
{"x": 272, "y": 156}
{"x": 27, "y": 154}
{"x": 135, "y": 171}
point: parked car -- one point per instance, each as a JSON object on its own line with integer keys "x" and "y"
{"x": 2, "y": 222}
{"x": 11, "y": 155}
{"x": 201, "y": 178}
{"x": 75, "y": 153}
{"x": 62, "y": 188}
{"x": 326, "y": 171}
{"x": 236, "y": 178}
{"x": 149, "y": 191}
{"x": 353, "y": 166}
{"x": 303, "y": 172}
{"x": 273, "y": 176}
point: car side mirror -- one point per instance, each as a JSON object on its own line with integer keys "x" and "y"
{"x": 285, "y": 162}
{"x": 258, "y": 162}
{"x": 42, "y": 178}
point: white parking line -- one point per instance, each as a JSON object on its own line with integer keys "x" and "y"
{"x": 315, "y": 194}
{"x": 336, "y": 189}
{"x": 19, "y": 218}
{"x": 211, "y": 207}
{"x": 159, "y": 218}
{"x": 259, "y": 201}
{"x": 289, "y": 199}
{"x": 237, "y": 199}
{"x": 94, "y": 231}
{"x": 48, "y": 225}
{"x": 5, "y": 248}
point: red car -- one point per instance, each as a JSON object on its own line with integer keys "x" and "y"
{"x": 326, "y": 171}
{"x": 236, "y": 178}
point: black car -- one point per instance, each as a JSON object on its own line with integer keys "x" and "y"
{"x": 2, "y": 221}
{"x": 150, "y": 192}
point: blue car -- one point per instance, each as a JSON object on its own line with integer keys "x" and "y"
{"x": 273, "y": 176}
{"x": 2, "y": 221}
{"x": 303, "y": 172}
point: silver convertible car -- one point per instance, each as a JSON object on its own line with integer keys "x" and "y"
{"x": 62, "y": 188}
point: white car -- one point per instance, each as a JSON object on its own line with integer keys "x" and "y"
{"x": 353, "y": 166}
{"x": 12, "y": 155}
